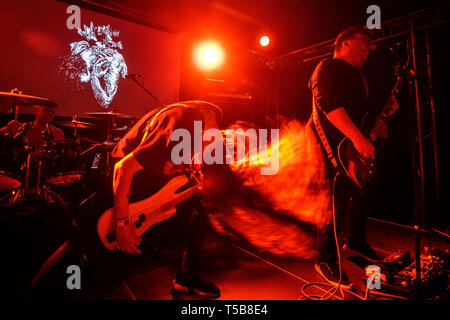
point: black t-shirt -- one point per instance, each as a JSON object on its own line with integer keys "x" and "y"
{"x": 150, "y": 142}
{"x": 334, "y": 84}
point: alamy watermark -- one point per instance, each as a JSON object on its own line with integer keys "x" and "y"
{"x": 74, "y": 20}
{"x": 258, "y": 153}
{"x": 374, "y": 20}
{"x": 74, "y": 280}
{"x": 373, "y": 273}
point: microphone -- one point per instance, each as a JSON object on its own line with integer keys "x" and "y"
{"x": 133, "y": 76}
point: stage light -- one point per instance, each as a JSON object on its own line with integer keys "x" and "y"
{"x": 264, "y": 41}
{"x": 208, "y": 55}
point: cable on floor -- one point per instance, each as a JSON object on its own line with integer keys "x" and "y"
{"x": 334, "y": 289}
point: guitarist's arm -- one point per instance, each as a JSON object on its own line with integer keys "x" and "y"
{"x": 124, "y": 171}
{"x": 340, "y": 119}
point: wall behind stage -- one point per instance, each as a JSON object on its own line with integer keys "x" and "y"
{"x": 36, "y": 58}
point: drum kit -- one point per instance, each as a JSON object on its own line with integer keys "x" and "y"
{"x": 62, "y": 169}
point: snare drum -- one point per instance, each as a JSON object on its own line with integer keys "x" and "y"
{"x": 62, "y": 164}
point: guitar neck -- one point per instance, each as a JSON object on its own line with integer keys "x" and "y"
{"x": 381, "y": 118}
{"x": 180, "y": 197}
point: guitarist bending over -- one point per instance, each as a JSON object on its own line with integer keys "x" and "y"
{"x": 145, "y": 154}
{"x": 142, "y": 171}
{"x": 340, "y": 101}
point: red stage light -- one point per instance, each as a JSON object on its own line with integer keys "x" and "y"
{"x": 264, "y": 41}
{"x": 208, "y": 55}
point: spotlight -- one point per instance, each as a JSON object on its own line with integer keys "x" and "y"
{"x": 264, "y": 41}
{"x": 208, "y": 55}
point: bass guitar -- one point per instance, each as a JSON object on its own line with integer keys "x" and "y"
{"x": 148, "y": 212}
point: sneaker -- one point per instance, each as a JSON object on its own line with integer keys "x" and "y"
{"x": 193, "y": 283}
{"x": 364, "y": 251}
{"x": 330, "y": 272}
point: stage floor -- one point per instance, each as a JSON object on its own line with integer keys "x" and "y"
{"x": 239, "y": 270}
{"x": 244, "y": 274}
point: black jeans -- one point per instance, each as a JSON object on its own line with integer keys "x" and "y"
{"x": 101, "y": 269}
{"x": 348, "y": 198}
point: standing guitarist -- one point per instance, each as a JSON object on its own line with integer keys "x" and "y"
{"x": 340, "y": 101}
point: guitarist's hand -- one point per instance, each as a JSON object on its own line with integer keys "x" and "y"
{"x": 127, "y": 241}
{"x": 393, "y": 106}
{"x": 364, "y": 147}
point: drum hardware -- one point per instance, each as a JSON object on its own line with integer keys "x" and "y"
{"x": 121, "y": 129}
{"x": 110, "y": 115}
{"x": 9, "y": 182}
{"x": 16, "y": 99}
{"x": 91, "y": 141}
{"x": 10, "y": 179}
{"x": 109, "y": 145}
{"x": 111, "y": 119}
{"x": 52, "y": 196}
{"x": 51, "y": 159}
{"x": 85, "y": 200}
{"x": 68, "y": 171}
{"x": 28, "y": 175}
{"x": 90, "y": 149}
{"x": 24, "y": 190}
{"x": 103, "y": 154}
{"x": 63, "y": 166}
{"x": 27, "y": 171}
{"x": 106, "y": 145}
{"x": 110, "y": 142}
{"x": 51, "y": 174}
{"x": 8, "y": 196}
{"x": 75, "y": 124}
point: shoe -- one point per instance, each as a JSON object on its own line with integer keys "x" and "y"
{"x": 364, "y": 251}
{"x": 330, "y": 272}
{"x": 193, "y": 283}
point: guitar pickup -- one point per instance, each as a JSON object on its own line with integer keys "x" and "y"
{"x": 138, "y": 223}
{"x": 111, "y": 236}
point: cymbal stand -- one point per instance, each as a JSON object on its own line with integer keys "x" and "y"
{"x": 27, "y": 170}
{"x": 110, "y": 128}
{"x": 21, "y": 193}
{"x": 76, "y": 136}
{"x": 14, "y": 106}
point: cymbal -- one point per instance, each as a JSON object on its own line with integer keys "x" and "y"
{"x": 107, "y": 115}
{"x": 74, "y": 124}
{"x": 19, "y": 99}
{"x": 106, "y": 145}
{"x": 124, "y": 128}
{"x": 109, "y": 144}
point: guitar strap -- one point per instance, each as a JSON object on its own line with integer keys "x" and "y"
{"x": 321, "y": 134}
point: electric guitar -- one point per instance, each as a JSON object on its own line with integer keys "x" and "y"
{"x": 148, "y": 212}
{"x": 359, "y": 169}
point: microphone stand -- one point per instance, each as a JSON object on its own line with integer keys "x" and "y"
{"x": 147, "y": 91}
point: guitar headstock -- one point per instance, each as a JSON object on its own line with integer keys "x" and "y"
{"x": 391, "y": 106}
{"x": 403, "y": 74}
